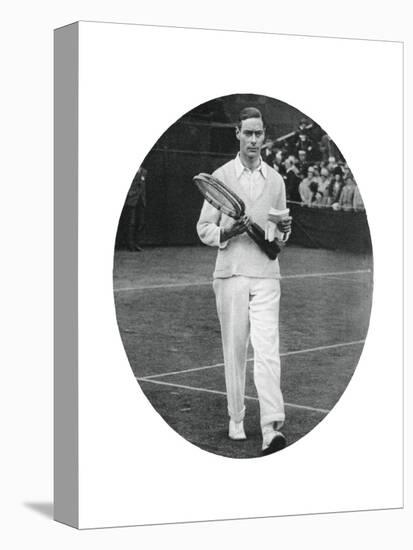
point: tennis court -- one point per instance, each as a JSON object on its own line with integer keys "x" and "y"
{"x": 168, "y": 323}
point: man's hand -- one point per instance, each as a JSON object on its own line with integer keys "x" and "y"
{"x": 285, "y": 225}
{"x": 234, "y": 227}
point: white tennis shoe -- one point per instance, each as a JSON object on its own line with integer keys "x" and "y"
{"x": 272, "y": 441}
{"x": 236, "y": 430}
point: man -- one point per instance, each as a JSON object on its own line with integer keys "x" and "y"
{"x": 134, "y": 210}
{"x": 358, "y": 205}
{"x": 267, "y": 152}
{"x": 303, "y": 127}
{"x": 292, "y": 180}
{"x": 304, "y": 143}
{"x": 302, "y": 163}
{"x": 307, "y": 187}
{"x": 278, "y": 163}
{"x": 333, "y": 167}
{"x": 246, "y": 283}
{"x": 346, "y": 199}
{"x": 322, "y": 190}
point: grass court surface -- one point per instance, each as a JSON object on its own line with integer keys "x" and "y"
{"x": 169, "y": 327}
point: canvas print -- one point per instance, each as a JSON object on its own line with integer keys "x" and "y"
{"x": 243, "y": 275}
{"x": 222, "y": 299}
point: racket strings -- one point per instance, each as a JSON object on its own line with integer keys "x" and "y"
{"x": 219, "y": 195}
{"x": 228, "y": 202}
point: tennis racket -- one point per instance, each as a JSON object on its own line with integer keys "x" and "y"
{"x": 229, "y": 203}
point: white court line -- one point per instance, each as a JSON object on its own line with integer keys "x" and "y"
{"x": 194, "y": 369}
{"x": 203, "y": 283}
{"x": 166, "y": 285}
{"x": 319, "y": 348}
{"x": 346, "y": 279}
{"x": 216, "y": 392}
{"x": 325, "y": 274}
{"x": 286, "y": 354}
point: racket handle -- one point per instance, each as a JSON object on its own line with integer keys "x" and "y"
{"x": 257, "y": 234}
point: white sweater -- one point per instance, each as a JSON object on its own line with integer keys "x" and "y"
{"x": 240, "y": 255}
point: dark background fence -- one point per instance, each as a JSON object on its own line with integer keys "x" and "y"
{"x": 173, "y": 201}
{"x": 204, "y": 139}
{"x": 326, "y": 228}
{"x": 174, "y": 204}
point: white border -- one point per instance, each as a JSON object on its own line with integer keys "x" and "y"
{"x": 122, "y": 67}
{"x": 27, "y": 369}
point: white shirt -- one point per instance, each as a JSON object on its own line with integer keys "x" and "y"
{"x": 253, "y": 186}
{"x": 240, "y": 255}
{"x": 252, "y": 182}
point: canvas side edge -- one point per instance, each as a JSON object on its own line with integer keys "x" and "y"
{"x": 66, "y": 124}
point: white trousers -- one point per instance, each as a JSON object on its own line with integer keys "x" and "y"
{"x": 249, "y": 308}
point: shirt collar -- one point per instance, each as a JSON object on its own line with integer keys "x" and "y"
{"x": 239, "y": 167}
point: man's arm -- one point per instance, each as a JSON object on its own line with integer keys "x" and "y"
{"x": 284, "y": 225}
{"x": 214, "y": 233}
{"x": 208, "y": 225}
{"x": 215, "y": 229}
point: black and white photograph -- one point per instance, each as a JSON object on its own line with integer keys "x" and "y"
{"x": 223, "y": 320}
{"x": 206, "y": 269}
{"x": 243, "y": 275}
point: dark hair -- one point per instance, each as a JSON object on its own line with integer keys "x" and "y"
{"x": 249, "y": 112}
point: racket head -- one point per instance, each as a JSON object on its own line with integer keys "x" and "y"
{"x": 219, "y": 195}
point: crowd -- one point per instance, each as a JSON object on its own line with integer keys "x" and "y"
{"x": 315, "y": 173}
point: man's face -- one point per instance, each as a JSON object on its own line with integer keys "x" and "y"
{"x": 251, "y": 136}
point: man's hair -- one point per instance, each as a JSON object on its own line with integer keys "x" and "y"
{"x": 249, "y": 112}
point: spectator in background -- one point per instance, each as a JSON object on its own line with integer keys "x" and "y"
{"x": 308, "y": 188}
{"x": 358, "y": 204}
{"x": 292, "y": 180}
{"x": 315, "y": 133}
{"x": 314, "y": 191}
{"x": 316, "y": 174}
{"x": 302, "y": 164}
{"x": 334, "y": 190}
{"x": 279, "y": 163}
{"x": 303, "y": 143}
{"x": 346, "y": 171}
{"x": 333, "y": 167}
{"x": 328, "y": 148}
{"x": 322, "y": 191}
{"x": 267, "y": 153}
{"x": 325, "y": 148}
{"x": 133, "y": 213}
{"x": 312, "y": 131}
{"x": 304, "y": 127}
{"x": 345, "y": 201}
